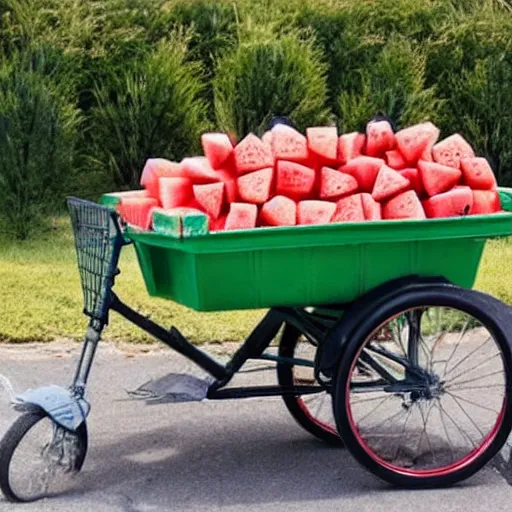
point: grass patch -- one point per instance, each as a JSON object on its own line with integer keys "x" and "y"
{"x": 41, "y": 300}
{"x": 40, "y": 295}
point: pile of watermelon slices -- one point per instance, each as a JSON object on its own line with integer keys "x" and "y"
{"x": 286, "y": 178}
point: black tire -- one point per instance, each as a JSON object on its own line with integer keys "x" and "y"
{"x": 11, "y": 441}
{"x": 490, "y": 314}
{"x": 294, "y": 404}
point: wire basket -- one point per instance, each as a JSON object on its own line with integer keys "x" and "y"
{"x": 98, "y": 242}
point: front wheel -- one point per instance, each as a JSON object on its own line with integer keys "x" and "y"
{"x": 36, "y": 455}
{"x": 422, "y": 389}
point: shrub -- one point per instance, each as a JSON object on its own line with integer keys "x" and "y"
{"x": 152, "y": 110}
{"x": 38, "y": 127}
{"x": 394, "y": 85}
{"x": 270, "y": 76}
{"x": 481, "y": 108}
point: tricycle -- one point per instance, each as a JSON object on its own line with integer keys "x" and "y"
{"x": 383, "y": 345}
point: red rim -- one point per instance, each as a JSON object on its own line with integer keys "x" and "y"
{"x": 442, "y": 471}
{"x": 320, "y": 424}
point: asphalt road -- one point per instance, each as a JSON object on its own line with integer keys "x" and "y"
{"x": 240, "y": 455}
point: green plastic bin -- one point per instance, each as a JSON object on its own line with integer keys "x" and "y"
{"x": 312, "y": 265}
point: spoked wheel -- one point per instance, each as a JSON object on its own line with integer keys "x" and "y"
{"x": 422, "y": 390}
{"x": 37, "y": 457}
{"x": 314, "y": 412}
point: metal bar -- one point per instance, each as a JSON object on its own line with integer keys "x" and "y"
{"x": 173, "y": 339}
{"x": 296, "y": 318}
{"x": 262, "y": 391}
{"x": 92, "y": 338}
{"x": 287, "y": 360}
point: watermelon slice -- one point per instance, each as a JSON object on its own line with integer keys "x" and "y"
{"x": 323, "y": 142}
{"x": 414, "y": 178}
{"x": 255, "y": 186}
{"x": 267, "y": 138}
{"x": 156, "y": 168}
{"x": 395, "y": 159}
{"x": 404, "y": 206}
{"x": 241, "y": 216}
{"x": 199, "y": 170}
{"x": 179, "y": 222}
{"x": 230, "y": 185}
{"x": 388, "y": 184}
{"x": 217, "y": 148}
{"x": 350, "y": 146}
{"x": 335, "y": 184}
{"x": 365, "y": 170}
{"x": 452, "y": 150}
{"x": 138, "y": 211}
{"x": 289, "y": 144}
{"x": 294, "y": 180}
{"x": 454, "y": 203}
{"x": 315, "y": 212}
{"x": 252, "y": 154}
{"x": 349, "y": 209}
{"x": 437, "y": 178}
{"x": 279, "y": 211}
{"x": 478, "y": 173}
{"x": 175, "y": 192}
{"x": 416, "y": 142}
{"x": 210, "y": 197}
{"x": 379, "y": 138}
{"x": 114, "y": 198}
{"x": 371, "y": 208}
{"x": 486, "y": 202}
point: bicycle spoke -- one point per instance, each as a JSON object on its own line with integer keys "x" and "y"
{"x": 474, "y": 367}
{"x": 473, "y": 403}
{"x": 469, "y": 355}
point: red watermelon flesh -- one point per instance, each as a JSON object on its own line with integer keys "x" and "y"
{"x": 137, "y": 211}
{"x": 350, "y": 146}
{"x": 485, "y": 202}
{"x": 478, "y": 173}
{"x": 452, "y": 150}
{"x": 371, "y": 208}
{"x": 335, "y": 184}
{"x": 252, "y": 154}
{"x": 315, "y": 212}
{"x": 217, "y": 148}
{"x": 230, "y": 185}
{"x": 404, "y": 206}
{"x": 218, "y": 224}
{"x": 437, "y": 178}
{"x": 210, "y": 197}
{"x": 289, "y": 144}
{"x": 255, "y": 186}
{"x": 379, "y": 138}
{"x": 365, "y": 170}
{"x": 414, "y": 178}
{"x": 175, "y": 192}
{"x": 349, "y": 209}
{"x": 454, "y": 203}
{"x": 395, "y": 159}
{"x": 241, "y": 216}
{"x": 388, "y": 184}
{"x": 323, "y": 142}
{"x": 279, "y": 211}
{"x": 416, "y": 142}
{"x": 294, "y": 180}
{"x": 199, "y": 170}
{"x": 155, "y": 169}
{"x": 267, "y": 138}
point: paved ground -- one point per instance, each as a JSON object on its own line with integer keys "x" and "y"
{"x": 230, "y": 455}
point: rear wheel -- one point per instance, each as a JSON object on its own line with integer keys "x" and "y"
{"x": 313, "y": 411}
{"x": 37, "y": 457}
{"x": 422, "y": 389}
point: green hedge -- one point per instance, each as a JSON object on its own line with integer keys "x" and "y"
{"x": 144, "y": 77}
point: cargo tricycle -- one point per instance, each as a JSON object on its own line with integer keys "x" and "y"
{"x": 380, "y": 343}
